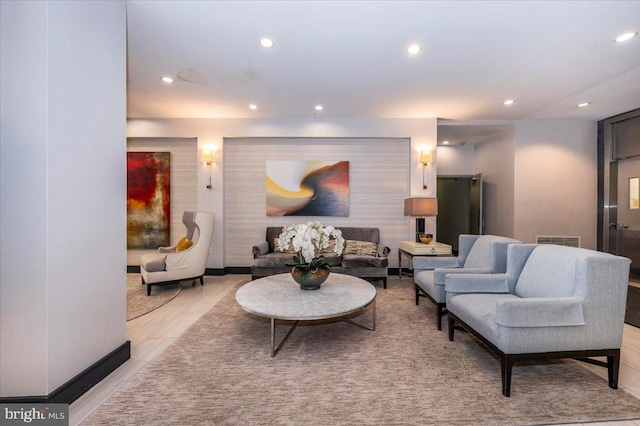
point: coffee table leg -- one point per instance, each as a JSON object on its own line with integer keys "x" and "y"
{"x": 273, "y": 337}
{"x": 373, "y": 328}
{"x": 374, "y": 315}
{"x": 274, "y": 349}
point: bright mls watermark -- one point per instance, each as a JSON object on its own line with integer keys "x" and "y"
{"x": 34, "y": 414}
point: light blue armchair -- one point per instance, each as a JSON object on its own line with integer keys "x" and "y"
{"x": 552, "y": 302}
{"x": 479, "y": 254}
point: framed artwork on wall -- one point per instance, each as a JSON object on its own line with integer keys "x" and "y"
{"x": 307, "y": 188}
{"x": 634, "y": 193}
{"x": 148, "y": 193}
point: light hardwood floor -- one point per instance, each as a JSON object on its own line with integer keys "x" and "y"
{"x": 150, "y": 334}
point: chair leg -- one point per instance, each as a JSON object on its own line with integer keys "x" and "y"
{"x": 415, "y": 287}
{"x": 440, "y": 311}
{"x": 384, "y": 282}
{"x": 148, "y": 289}
{"x": 506, "y": 365}
{"x": 452, "y": 326}
{"x": 202, "y": 280}
{"x": 613, "y": 367}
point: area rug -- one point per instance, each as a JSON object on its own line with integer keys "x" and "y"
{"x": 138, "y": 303}
{"x": 632, "y": 315}
{"x": 219, "y": 372}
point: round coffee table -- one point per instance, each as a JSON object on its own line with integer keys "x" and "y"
{"x": 278, "y": 297}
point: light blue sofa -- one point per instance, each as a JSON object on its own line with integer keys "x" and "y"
{"x": 552, "y": 302}
{"x": 479, "y": 254}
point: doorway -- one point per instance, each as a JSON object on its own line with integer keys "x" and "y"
{"x": 459, "y": 208}
{"x": 621, "y": 221}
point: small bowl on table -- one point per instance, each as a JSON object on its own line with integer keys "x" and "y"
{"x": 425, "y": 238}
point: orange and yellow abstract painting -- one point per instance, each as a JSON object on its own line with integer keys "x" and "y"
{"x": 307, "y": 188}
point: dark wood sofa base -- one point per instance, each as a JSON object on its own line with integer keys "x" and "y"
{"x": 149, "y": 285}
{"x": 507, "y": 360}
{"x": 441, "y": 308}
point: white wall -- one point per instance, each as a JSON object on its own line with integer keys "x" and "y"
{"x": 556, "y": 180}
{"x": 455, "y": 160}
{"x": 210, "y": 134}
{"x": 63, "y": 189}
{"x": 494, "y": 158}
{"x": 378, "y": 185}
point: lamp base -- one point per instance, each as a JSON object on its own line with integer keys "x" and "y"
{"x": 419, "y": 228}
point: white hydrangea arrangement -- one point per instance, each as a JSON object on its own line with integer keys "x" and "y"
{"x": 309, "y": 240}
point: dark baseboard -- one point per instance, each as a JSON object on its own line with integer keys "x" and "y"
{"x": 208, "y": 271}
{"x": 81, "y": 383}
{"x": 237, "y": 270}
{"x": 233, "y": 270}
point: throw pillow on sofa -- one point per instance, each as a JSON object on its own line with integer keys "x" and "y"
{"x": 363, "y": 248}
{"x": 184, "y": 244}
{"x": 277, "y": 247}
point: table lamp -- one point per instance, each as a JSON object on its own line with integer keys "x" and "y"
{"x": 420, "y": 207}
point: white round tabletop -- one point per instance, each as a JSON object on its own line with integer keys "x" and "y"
{"x": 280, "y": 297}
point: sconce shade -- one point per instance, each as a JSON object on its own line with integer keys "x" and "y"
{"x": 421, "y": 207}
{"x": 207, "y": 156}
{"x": 426, "y": 157}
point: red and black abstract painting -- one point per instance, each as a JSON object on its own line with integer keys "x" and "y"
{"x": 148, "y": 181}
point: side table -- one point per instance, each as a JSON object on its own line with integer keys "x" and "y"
{"x": 412, "y": 248}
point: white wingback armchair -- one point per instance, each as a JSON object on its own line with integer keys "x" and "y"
{"x": 170, "y": 265}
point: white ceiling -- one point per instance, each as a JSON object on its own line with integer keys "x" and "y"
{"x": 351, "y": 58}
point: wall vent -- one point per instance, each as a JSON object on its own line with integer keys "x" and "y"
{"x": 559, "y": 240}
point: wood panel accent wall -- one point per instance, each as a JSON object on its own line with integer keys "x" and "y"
{"x": 184, "y": 181}
{"x": 379, "y": 182}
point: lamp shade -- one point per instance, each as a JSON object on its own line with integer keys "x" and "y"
{"x": 421, "y": 207}
{"x": 207, "y": 156}
{"x": 426, "y": 157}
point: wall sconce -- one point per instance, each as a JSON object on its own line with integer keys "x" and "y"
{"x": 208, "y": 157}
{"x": 425, "y": 158}
{"x": 420, "y": 207}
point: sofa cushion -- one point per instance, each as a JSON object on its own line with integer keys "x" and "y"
{"x": 489, "y": 251}
{"x": 425, "y": 280}
{"x": 363, "y": 261}
{"x": 273, "y": 260}
{"x": 153, "y": 262}
{"x": 478, "y": 311}
{"x": 279, "y": 260}
{"x": 360, "y": 247}
{"x": 550, "y": 271}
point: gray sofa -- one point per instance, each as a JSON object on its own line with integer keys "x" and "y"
{"x": 268, "y": 262}
{"x": 552, "y": 302}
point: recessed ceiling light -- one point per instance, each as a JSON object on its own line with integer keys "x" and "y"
{"x": 167, "y": 79}
{"x": 253, "y": 106}
{"x": 445, "y": 142}
{"x": 319, "y": 108}
{"x": 266, "y": 42}
{"x": 414, "y": 49}
{"x": 509, "y": 102}
{"x": 584, "y": 104}
{"x": 626, "y": 37}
